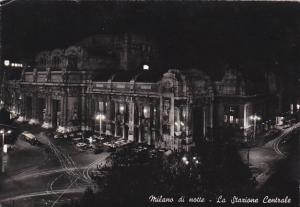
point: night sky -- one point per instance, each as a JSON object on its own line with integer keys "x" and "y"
{"x": 247, "y": 35}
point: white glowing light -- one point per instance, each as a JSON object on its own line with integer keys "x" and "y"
{"x": 6, "y": 62}
{"x": 100, "y": 116}
{"x": 184, "y": 159}
{"x": 5, "y": 148}
{"x": 145, "y": 67}
{"x": 254, "y": 117}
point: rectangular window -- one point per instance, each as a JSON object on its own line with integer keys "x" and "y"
{"x": 101, "y": 107}
{"x": 146, "y": 112}
{"x": 231, "y": 119}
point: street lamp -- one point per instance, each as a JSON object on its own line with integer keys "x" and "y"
{"x": 6, "y": 62}
{"x": 4, "y": 148}
{"x": 255, "y": 119}
{"x": 100, "y": 117}
{"x": 146, "y": 67}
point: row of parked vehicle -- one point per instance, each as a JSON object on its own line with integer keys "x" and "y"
{"x": 69, "y": 135}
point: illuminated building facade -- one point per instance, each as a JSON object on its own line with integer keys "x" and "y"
{"x": 68, "y": 88}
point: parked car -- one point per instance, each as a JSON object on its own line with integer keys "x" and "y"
{"x": 58, "y": 136}
{"x": 77, "y": 139}
{"x": 81, "y": 145}
{"x": 30, "y": 138}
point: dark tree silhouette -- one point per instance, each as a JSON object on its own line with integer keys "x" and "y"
{"x": 131, "y": 178}
{"x": 4, "y": 117}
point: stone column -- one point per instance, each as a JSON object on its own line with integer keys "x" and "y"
{"x": 34, "y": 107}
{"x": 172, "y": 123}
{"x": 161, "y": 115}
{"x": 211, "y": 114}
{"x": 64, "y": 110}
{"x": 188, "y": 120}
{"x": 177, "y": 119}
{"x": 26, "y": 107}
{"x": 115, "y": 117}
{"x": 83, "y": 112}
{"x": 157, "y": 124}
{"x": 109, "y": 115}
{"x": 49, "y": 109}
{"x": 131, "y": 115}
{"x": 140, "y": 111}
{"x": 204, "y": 120}
{"x": 123, "y": 120}
{"x": 152, "y": 124}
{"x": 246, "y": 121}
{"x": 89, "y": 114}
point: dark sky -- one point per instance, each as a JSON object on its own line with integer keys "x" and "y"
{"x": 251, "y": 36}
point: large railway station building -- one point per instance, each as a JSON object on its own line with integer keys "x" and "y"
{"x": 116, "y": 76}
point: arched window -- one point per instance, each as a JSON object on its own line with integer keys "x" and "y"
{"x": 42, "y": 62}
{"x": 72, "y": 62}
{"x": 55, "y": 62}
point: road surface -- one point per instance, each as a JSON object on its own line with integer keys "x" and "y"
{"x": 48, "y": 173}
{"x": 265, "y": 159}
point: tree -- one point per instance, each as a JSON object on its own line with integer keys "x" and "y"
{"x": 130, "y": 182}
{"x": 4, "y": 117}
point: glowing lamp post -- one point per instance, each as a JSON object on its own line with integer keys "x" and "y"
{"x": 4, "y": 147}
{"x": 255, "y": 119}
{"x": 100, "y": 117}
{"x": 146, "y": 67}
{"x": 6, "y": 62}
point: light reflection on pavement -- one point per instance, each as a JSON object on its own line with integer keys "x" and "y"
{"x": 31, "y": 172}
{"x": 265, "y": 158}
